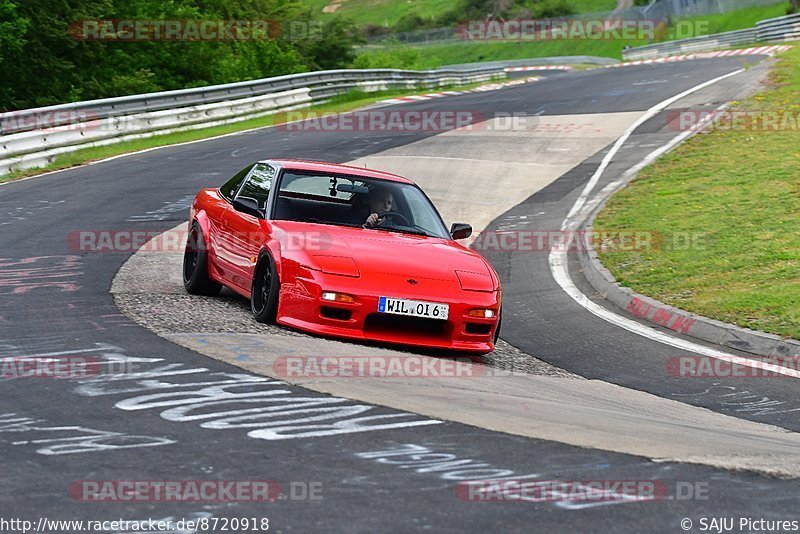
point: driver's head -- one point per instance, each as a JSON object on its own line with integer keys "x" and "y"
{"x": 380, "y": 199}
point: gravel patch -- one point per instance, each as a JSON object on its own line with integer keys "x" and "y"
{"x": 172, "y": 313}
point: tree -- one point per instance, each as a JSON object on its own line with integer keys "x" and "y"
{"x": 41, "y": 63}
{"x": 331, "y": 46}
{"x": 43, "y": 70}
{"x": 12, "y": 29}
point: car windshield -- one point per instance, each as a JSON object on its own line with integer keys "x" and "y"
{"x": 345, "y": 200}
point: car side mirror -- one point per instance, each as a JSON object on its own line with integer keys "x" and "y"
{"x": 247, "y": 205}
{"x": 460, "y": 230}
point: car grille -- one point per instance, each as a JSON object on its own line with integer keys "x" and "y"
{"x": 480, "y": 329}
{"x": 383, "y": 323}
{"x": 336, "y": 313}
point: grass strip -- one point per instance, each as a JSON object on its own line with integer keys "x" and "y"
{"x": 723, "y": 210}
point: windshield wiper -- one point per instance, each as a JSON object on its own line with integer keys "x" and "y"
{"x": 384, "y": 228}
{"x": 329, "y": 223}
{"x": 402, "y": 231}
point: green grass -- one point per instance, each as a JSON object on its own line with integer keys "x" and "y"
{"x": 592, "y": 6}
{"x": 345, "y": 102}
{"x": 738, "y": 190}
{"x": 436, "y": 55}
{"x": 389, "y": 12}
{"x": 736, "y": 20}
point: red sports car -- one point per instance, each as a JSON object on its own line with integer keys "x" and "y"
{"x": 342, "y": 251}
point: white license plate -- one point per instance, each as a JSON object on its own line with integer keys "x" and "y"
{"x": 413, "y": 308}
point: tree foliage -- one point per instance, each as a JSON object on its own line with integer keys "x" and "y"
{"x": 41, "y": 63}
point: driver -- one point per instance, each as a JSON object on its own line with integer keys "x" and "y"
{"x": 380, "y": 201}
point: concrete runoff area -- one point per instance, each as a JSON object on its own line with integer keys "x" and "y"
{"x": 475, "y": 175}
{"x": 586, "y": 413}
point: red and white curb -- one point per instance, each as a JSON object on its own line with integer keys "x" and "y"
{"x": 769, "y": 50}
{"x": 495, "y": 86}
{"x": 481, "y": 89}
{"x": 765, "y": 50}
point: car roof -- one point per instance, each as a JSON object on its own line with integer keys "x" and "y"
{"x": 321, "y": 166}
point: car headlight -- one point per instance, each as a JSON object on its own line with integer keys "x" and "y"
{"x": 471, "y": 281}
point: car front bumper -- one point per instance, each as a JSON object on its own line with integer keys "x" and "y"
{"x": 301, "y": 306}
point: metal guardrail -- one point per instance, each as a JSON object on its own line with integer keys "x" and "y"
{"x": 694, "y": 44}
{"x": 778, "y": 29}
{"x": 28, "y": 141}
{"x": 34, "y": 137}
{"x": 319, "y": 82}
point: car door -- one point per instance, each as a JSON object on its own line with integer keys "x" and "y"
{"x": 219, "y": 239}
{"x": 244, "y": 234}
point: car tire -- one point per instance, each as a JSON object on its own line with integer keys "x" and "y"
{"x": 195, "y": 265}
{"x": 264, "y": 290}
{"x": 499, "y": 322}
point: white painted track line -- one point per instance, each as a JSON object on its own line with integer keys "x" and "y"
{"x": 581, "y": 209}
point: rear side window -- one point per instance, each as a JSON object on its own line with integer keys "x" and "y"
{"x": 258, "y": 185}
{"x": 232, "y": 186}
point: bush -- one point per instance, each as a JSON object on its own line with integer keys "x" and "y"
{"x": 409, "y": 22}
{"x": 549, "y": 9}
{"x": 42, "y": 64}
{"x": 396, "y": 58}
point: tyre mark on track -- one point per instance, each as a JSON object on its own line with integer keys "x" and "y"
{"x": 22, "y": 275}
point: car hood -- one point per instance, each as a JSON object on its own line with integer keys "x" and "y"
{"x": 355, "y": 251}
